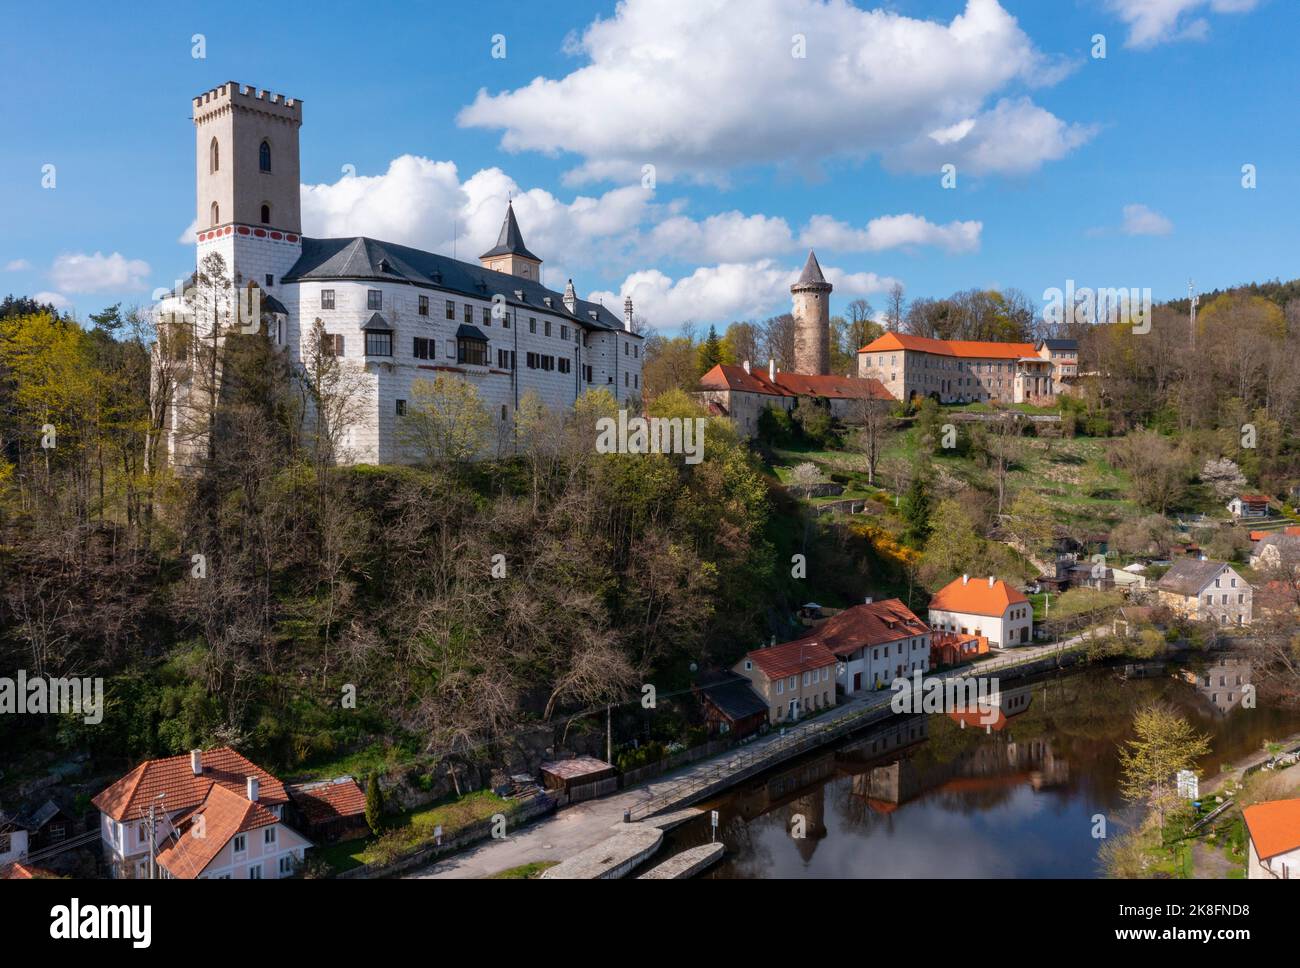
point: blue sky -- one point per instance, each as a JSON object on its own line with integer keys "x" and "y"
{"x": 1123, "y": 171}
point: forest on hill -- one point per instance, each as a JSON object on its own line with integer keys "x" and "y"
{"x": 461, "y": 602}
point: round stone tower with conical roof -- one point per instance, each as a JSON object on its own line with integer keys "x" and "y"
{"x": 812, "y": 320}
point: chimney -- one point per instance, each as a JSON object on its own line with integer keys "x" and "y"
{"x": 965, "y": 579}
{"x": 747, "y": 366}
{"x": 627, "y": 313}
{"x": 253, "y": 785}
{"x": 196, "y": 762}
{"x": 990, "y": 581}
{"x": 771, "y": 370}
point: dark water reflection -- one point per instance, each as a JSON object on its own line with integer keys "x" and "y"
{"x": 926, "y": 797}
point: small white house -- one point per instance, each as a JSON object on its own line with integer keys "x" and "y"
{"x": 1247, "y": 506}
{"x": 983, "y": 606}
{"x": 13, "y": 840}
{"x": 1274, "y": 828}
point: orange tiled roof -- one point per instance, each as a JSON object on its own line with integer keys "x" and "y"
{"x": 968, "y": 349}
{"x": 323, "y": 802}
{"x": 975, "y": 597}
{"x": 791, "y": 658}
{"x": 18, "y": 871}
{"x": 873, "y": 624}
{"x": 225, "y": 813}
{"x": 1274, "y": 826}
{"x": 129, "y": 798}
{"x": 1254, "y": 498}
{"x": 725, "y": 376}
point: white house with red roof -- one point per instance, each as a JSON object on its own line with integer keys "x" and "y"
{"x": 988, "y": 607}
{"x": 793, "y": 678}
{"x": 211, "y": 814}
{"x": 874, "y": 644}
{"x": 1248, "y": 506}
{"x": 1274, "y": 828}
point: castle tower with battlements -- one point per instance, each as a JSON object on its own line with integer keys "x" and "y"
{"x": 247, "y": 179}
{"x": 392, "y": 315}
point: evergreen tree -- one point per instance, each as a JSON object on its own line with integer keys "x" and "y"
{"x": 915, "y": 508}
{"x": 374, "y": 804}
{"x": 710, "y": 351}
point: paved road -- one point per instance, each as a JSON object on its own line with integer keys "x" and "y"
{"x": 575, "y": 828}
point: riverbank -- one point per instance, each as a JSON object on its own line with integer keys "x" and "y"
{"x": 578, "y": 827}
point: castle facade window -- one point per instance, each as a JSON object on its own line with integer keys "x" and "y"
{"x": 264, "y": 156}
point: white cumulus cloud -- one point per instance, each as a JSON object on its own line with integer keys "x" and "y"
{"x": 79, "y": 272}
{"x": 890, "y": 232}
{"x": 725, "y": 292}
{"x": 1141, "y": 220}
{"x": 698, "y": 88}
{"x": 1152, "y": 22}
{"x": 17, "y": 265}
{"x": 55, "y": 299}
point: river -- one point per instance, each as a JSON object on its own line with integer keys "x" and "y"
{"x": 1021, "y": 797}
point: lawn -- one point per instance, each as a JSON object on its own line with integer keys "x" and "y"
{"x": 410, "y": 830}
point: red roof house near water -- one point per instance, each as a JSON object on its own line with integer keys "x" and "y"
{"x": 1274, "y": 828}
{"x": 793, "y": 678}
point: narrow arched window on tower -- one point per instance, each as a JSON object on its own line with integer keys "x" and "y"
{"x": 264, "y": 156}
{"x": 266, "y": 214}
{"x": 215, "y": 156}
{"x": 216, "y": 214}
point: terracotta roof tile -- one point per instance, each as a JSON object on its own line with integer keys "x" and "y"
{"x": 725, "y": 376}
{"x": 129, "y": 798}
{"x": 976, "y": 597}
{"x": 225, "y": 813}
{"x": 323, "y": 802}
{"x": 968, "y": 349}
{"x": 791, "y": 658}
{"x": 866, "y": 625}
{"x": 1274, "y": 826}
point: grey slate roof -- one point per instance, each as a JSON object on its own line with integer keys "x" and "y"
{"x": 812, "y": 272}
{"x": 732, "y": 694}
{"x": 1060, "y": 344}
{"x": 272, "y": 305}
{"x": 378, "y": 323}
{"x": 1188, "y": 576}
{"x": 360, "y": 259}
{"x": 511, "y": 240}
{"x": 466, "y": 331}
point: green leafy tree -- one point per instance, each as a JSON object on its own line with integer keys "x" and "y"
{"x": 1164, "y": 743}
{"x": 445, "y": 421}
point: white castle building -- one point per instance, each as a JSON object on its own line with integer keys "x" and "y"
{"x": 394, "y": 313}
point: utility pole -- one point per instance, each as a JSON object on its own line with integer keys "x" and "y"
{"x": 609, "y": 734}
{"x": 152, "y": 844}
{"x": 1193, "y": 299}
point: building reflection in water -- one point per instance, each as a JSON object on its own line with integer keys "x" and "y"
{"x": 1224, "y": 684}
